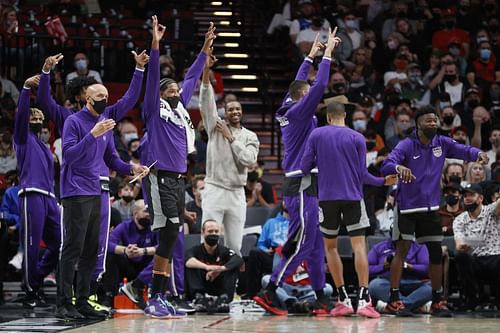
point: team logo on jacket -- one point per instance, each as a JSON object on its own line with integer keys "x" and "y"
{"x": 437, "y": 151}
{"x": 283, "y": 121}
{"x": 321, "y": 217}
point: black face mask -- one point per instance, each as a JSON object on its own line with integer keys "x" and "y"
{"x": 472, "y": 104}
{"x": 429, "y": 132}
{"x": 127, "y": 198}
{"x": 471, "y": 207}
{"x": 455, "y": 179}
{"x": 338, "y": 86}
{"x": 36, "y": 127}
{"x": 144, "y": 222}
{"x": 451, "y": 199}
{"x": 370, "y": 145}
{"x": 173, "y": 101}
{"x": 212, "y": 240}
{"x": 450, "y": 78}
{"x": 135, "y": 154}
{"x": 100, "y": 106}
{"x": 448, "y": 120}
{"x": 252, "y": 176}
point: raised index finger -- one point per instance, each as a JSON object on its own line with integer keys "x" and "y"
{"x": 334, "y": 31}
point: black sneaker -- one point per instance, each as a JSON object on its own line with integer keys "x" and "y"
{"x": 68, "y": 311}
{"x": 320, "y": 307}
{"x": 440, "y": 309}
{"x": 398, "y": 308}
{"x": 200, "y": 303}
{"x": 88, "y": 312}
{"x": 222, "y": 304}
{"x": 181, "y": 304}
{"x": 34, "y": 300}
{"x": 269, "y": 301}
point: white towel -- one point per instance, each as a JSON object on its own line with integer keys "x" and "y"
{"x": 180, "y": 117}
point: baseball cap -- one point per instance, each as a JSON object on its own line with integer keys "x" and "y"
{"x": 473, "y": 188}
{"x": 472, "y": 90}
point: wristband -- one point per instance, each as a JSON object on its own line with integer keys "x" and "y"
{"x": 145, "y": 251}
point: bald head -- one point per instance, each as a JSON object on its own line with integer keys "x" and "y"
{"x": 138, "y": 206}
{"x": 96, "y": 93}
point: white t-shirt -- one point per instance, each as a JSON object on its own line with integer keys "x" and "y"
{"x": 309, "y": 35}
{"x": 455, "y": 92}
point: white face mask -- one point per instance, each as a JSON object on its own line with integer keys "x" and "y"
{"x": 129, "y": 137}
{"x": 81, "y": 64}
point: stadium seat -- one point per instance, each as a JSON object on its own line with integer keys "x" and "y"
{"x": 190, "y": 241}
{"x": 256, "y": 216}
{"x": 249, "y": 243}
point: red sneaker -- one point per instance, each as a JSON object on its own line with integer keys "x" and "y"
{"x": 269, "y": 302}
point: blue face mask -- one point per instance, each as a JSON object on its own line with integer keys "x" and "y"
{"x": 359, "y": 125}
{"x": 485, "y": 54}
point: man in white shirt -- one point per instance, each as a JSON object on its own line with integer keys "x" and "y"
{"x": 81, "y": 63}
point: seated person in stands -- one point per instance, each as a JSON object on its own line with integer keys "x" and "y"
{"x": 192, "y": 224}
{"x": 296, "y": 293}
{"x": 81, "y": 63}
{"x": 131, "y": 247}
{"x": 211, "y": 269}
{"x": 477, "y": 238}
{"x": 385, "y": 216}
{"x": 126, "y": 202}
{"x": 415, "y": 287}
{"x": 453, "y": 207}
{"x": 257, "y": 191}
{"x": 260, "y": 260}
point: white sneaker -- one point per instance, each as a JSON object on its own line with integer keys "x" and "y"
{"x": 380, "y": 306}
{"x": 17, "y": 261}
{"x": 50, "y": 280}
{"x": 426, "y": 308}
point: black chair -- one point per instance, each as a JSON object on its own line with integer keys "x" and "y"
{"x": 249, "y": 243}
{"x": 374, "y": 240}
{"x": 256, "y": 216}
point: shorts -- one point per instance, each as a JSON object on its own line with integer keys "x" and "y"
{"x": 334, "y": 213}
{"x": 166, "y": 193}
{"x": 424, "y": 226}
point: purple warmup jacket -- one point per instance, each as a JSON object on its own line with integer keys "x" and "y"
{"x": 418, "y": 256}
{"x": 167, "y": 142}
{"x": 58, "y": 114}
{"x": 34, "y": 159}
{"x": 297, "y": 120}
{"x": 340, "y": 154}
{"x": 83, "y": 155}
{"x": 426, "y": 163}
{"x": 127, "y": 233}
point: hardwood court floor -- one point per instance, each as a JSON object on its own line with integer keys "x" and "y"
{"x": 268, "y": 324}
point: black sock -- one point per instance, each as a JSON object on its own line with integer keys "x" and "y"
{"x": 363, "y": 294}
{"x": 159, "y": 282}
{"x": 320, "y": 294}
{"x": 394, "y": 295}
{"x": 138, "y": 284}
{"x": 342, "y": 293}
{"x": 437, "y": 295}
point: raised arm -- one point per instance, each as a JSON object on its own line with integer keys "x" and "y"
{"x": 152, "y": 93}
{"x": 22, "y": 122}
{"x": 194, "y": 72}
{"x": 49, "y": 106}
{"x": 208, "y": 107}
{"x": 460, "y": 151}
{"x": 121, "y": 108}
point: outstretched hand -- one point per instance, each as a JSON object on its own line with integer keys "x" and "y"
{"x": 158, "y": 31}
{"x": 52, "y": 61}
{"x": 141, "y": 59}
{"x": 390, "y": 180}
{"x": 483, "y": 158}
{"x": 316, "y": 47}
{"x": 333, "y": 41}
{"x": 209, "y": 38}
{"x": 405, "y": 174}
{"x": 32, "y": 82}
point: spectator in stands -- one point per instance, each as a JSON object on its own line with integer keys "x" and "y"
{"x": 350, "y": 26}
{"x": 483, "y": 124}
{"x": 304, "y": 21}
{"x": 477, "y": 237}
{"x": 131, "y": 247}
{"x": 127, "y": 199}
{"x": 459, "y": 134}
{"x": 467, "y": 16}
{"x": 81, "y": 63}
{"x": 133, "y": 151}
{"x": 450, "y": 33}
{"x": 415, "y": 288}
{"x": 495, "y": 144}
{"x": 167, "y": 67}
{"x": 385, "y": 216}
{"x": 127, "y": 131}
{"x": 476, "y": 173}
{"x": 9, "y": 209}
{"x": 8, "y": 159}
{"x": 360, "y": 124}
{"x": 308, "y": 36}
{"x": 452, "y": 208}
{"x": 383, "y": 56}
{"x": 447, "y": 87}
{"x": 194, "y": 206}
{"x": 401, "y": 106}
{"x": 397, "y": 75}
{"x": 7, "y": 107}
{"x": 485, "y": 69}
{"x": 399, "y": 11}
{"x": 403, "y": 124}
{"x": 260, "y": 260}
{"x": 414, "y": 88}
{"x": 454, "y": 172}
{"x": 449, "y": 120}
{"x": 337, "y": 85}
{"x": 7, "y": 87}
{"x": 257, "y": 191}
{"x": 212, "y": 268}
